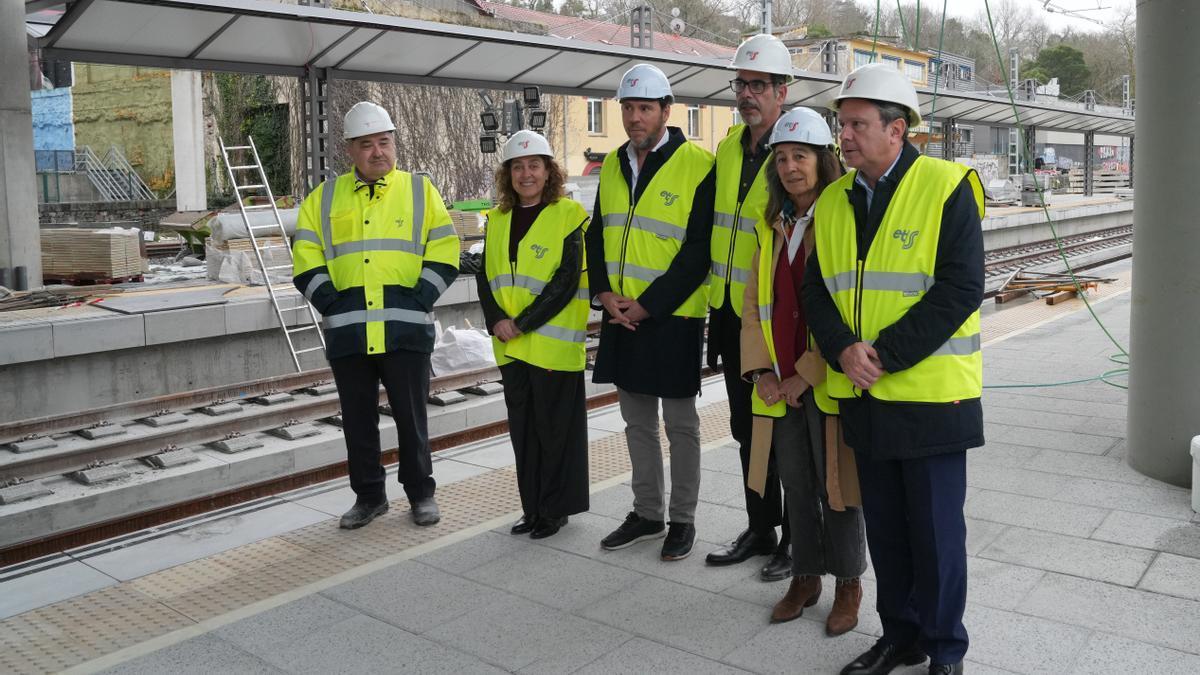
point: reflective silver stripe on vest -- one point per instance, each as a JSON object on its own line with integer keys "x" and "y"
{"x": 584, "y": 294}
{"x": 531, "y": 284}
{"x": 725, "y": 220}
{"x": 740, "y": 274}
{"x": 959, "y": 346}
{"x": 314, "y": 284}
{"x": 559, "y": 333}
{"x": 635, "y": 271}
{"x": 418, "y": 210}
{"x": 434, "y": 278}
{"x": 364, "y": 315}
{"x": 327, "y": 190}
{"x": 307, "y": 235}
{"x": 441, "y": 231}
{"x": 368, "y": 245}
{"x": 904, "y": 282}
{"x": 846, "y": 281}
{"x": 659, "y": 228}
{"x": 766, "y": 310}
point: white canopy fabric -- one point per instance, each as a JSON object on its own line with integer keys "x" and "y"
{"x": 270, "y": 38}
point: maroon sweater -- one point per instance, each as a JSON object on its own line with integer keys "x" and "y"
{"x": 788, "y": 329}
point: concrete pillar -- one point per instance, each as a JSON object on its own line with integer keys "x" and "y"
{"x": 20, "y": 243}
{"x": 1164, "y": 382}
{"x": 187, "y": 122}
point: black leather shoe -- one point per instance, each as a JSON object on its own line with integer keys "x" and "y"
{"x": 362, "y": 513}
{"x": 524, "y": 526}
{"x": 778, "y": 569}
{"x": 678, "y": 544}
{"x": 425, "y": 512}
{"x": 547, "y": 527}
{"x": 946, "y": 669}
{"x": 884, "y": 658}
{"x": 747, "y": 545}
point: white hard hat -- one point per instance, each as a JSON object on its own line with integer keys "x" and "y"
{"x": 525, "y": 143}
{"x": 643, "y": 81}
{"x": 765, "y": 54}
{"x": 364, "y": 119}
{"x": 881, "y": 82}
{"x": 801, "y": 125}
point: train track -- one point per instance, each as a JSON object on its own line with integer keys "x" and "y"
{"x": 1004, "y": 261}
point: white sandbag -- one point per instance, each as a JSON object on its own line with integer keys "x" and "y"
{"x": 459, "y": 350}
{"x": 228, "y": 225}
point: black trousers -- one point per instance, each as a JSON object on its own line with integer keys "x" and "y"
{"x": 547, "y": 421}
{"x": 918, "y": 540}
{"x": 405, "y": 376}
{"x": 725, "y": 339}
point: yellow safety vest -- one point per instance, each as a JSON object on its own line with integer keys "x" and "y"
{"x": 641, "y": 240}
{"x": 734, "y": 222}
{"x": 899, "y": 269}
{"x": 766, "y": 300}
{"x": 370, "y": 245}
{"x": 559, "y": 343}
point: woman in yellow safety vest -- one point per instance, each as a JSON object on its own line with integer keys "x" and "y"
{"x": 533, "y": 289}
{"x": 794, "y": 418}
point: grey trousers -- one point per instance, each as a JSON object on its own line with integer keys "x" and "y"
{"x": 824, "y": 541}
{"x": 640, "y": 412}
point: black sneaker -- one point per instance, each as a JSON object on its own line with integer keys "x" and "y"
{"x": 634, "y": 529}
{"x": 680, "y": 537}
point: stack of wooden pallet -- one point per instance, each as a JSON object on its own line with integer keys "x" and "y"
{"x": 1053, "y": 288}
{"x": 1102, "y": 181}
{"x": 70, "y": 254}
{"x": 467, "y": 225}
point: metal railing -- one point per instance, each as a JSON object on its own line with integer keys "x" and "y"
{"x": 112, "y": 176}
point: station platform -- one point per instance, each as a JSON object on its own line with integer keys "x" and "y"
{"x": 1078, "y": 564}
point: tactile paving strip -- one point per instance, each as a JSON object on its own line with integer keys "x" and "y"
{"x": 86, "y": 627}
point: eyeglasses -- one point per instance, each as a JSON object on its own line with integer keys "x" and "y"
{"x": 739, "y": 85}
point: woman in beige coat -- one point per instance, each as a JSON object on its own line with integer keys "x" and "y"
{"x": 793, "y": 417}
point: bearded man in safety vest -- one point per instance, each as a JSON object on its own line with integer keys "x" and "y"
{"x": 764, "y": 69}
{"x": 647, "y": 252}
{"x": 892, "y": 293}
{"x": 374, "y": 249}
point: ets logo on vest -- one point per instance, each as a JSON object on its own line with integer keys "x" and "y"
{"x": 907, "y": 238}
{"x": 668, "y": 197}
{"x": 539, "y": 252}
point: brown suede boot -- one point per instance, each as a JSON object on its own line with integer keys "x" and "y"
{"x": 844, "y": 616}
{"x": 804, "y": 592}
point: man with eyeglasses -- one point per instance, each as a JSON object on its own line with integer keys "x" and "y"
{"x": 764, "y": 69}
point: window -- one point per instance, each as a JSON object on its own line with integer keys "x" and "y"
{"x": 735, "y": 118}
{"x": 595, "y": 116}
{"x": 964, "y": 73}
{"x": 693, "y": 121}
{"x": 915, "y": 71}
{"x": 893, "y": 61}
{"x": 965, "y": 136}
{"x": 861, "y": 58}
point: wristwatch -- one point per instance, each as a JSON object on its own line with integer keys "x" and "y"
{"x": 754, "y": 377}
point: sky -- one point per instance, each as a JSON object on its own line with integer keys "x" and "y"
{"x": 1058, "y": 21}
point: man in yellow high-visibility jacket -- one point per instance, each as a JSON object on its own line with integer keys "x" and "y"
{"x": 892, "y": 295}
{"x": 763, "y": 68}
{"x": 374, "y": 249}
{"x": 647, "y": 251}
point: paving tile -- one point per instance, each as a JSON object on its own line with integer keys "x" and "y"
{"x": 1086, "y": 408}
{"x": 1085, "y": 466}
{"x": 1016, "y": 481}
{"x": 519, "y": 635}
{"x": 1036, "y": 419}
{"x": 798, "y": 647}
{"x": 1103, "y": 426}
{"x": 1035, "y": 513}
{"x": 275, "y": 634}
{"x": 413, "y": 596}
{"x": 474, "y": 552}
{"x": 1088, "y": 558}
{"x": 980, "y": 533}
{"x": 613, "y": 502}
{"x": 204, "y": 539}
{"x": 1113, "y": 655}
{"x": 1172, "y": 535}
{"x": 997, "y": 584}
{"x": 1150, "y": 499}
{"x": 639, "y": 656}
{"x": 334, "y": 501}
{"x": 362, "y": 644}
{"x": 645, "y": 558}
{"x": 581, "y": 535}
{"x": 1001, "y": 454}
{"x": 765, "y": 595}
{"x": 724, "y": 459}
{"x": 1133, "y": 613}
{"x": 608, "y": 421}
{"x": 722, "y": 488}
{"x": 719, "y": 524}
{"x": 496, "y": 454}
{"x": 201, "y": 655}
{"x": 1067, "y": 441}
{"x": 561, "y": 580}
{"x": 1173, "y": 575}
{"x": 697, "y": 621}
{"x": 1045, "y": 646}
{"x": 48, "y": 586}
{"x": 447, "y": 471}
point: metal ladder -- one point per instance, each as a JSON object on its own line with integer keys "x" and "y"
{"x": 284, "y": 292}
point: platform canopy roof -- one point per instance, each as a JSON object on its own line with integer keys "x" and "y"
{"x": 255, "y": 36}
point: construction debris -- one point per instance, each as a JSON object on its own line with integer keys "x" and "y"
{"x": 1055, "y": 288}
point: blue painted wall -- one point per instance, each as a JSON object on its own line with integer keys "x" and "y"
{"x": 53, "y": 127}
